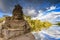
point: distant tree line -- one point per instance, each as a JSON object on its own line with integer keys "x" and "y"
{"x": 37, "y": 25}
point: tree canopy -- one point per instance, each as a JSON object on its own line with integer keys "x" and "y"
{"x": 37, "y": 25}
{"x": 58, "y": 23}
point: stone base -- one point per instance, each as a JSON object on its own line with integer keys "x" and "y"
{"x": 16, "y": 35}
{"x": 27, "y": 36}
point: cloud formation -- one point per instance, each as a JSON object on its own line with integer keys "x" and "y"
{"x": 51, "y": 16}
{"x": 51, "y": 8}
{"x": 30, "y": 12}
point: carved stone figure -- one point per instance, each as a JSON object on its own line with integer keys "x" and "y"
{"x": 16, "y": 26}
{"x": 17, "y": 12}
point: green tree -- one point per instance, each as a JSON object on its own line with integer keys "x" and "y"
{"x": 37, "y": 25}
{"x": 2, "y": 19}
{"x": 58, "y": 24}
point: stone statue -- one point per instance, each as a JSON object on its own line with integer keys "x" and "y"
{"x": 15, "y": 26}
{"x": 17, "y": 12}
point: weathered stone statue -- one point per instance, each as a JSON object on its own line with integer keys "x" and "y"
{"x": 15, "y": 27}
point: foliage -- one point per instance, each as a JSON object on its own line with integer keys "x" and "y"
{"x": 2, "y": 19}
{"x": 58, "y": 23}
{"x": 37, "y": 25}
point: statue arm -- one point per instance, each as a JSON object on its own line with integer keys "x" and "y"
{"x": 1, "y": 31}
{"x": 28, "y": 27}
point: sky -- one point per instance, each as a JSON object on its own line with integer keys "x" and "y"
{"x": 37, "y": 9}
{"x": 45, "y": 10}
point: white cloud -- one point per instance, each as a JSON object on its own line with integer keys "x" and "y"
{"x": 30, "y": 11}
{"x": 51, "y": 15}
{"x": 51, "y": 8}
{"x": 40, "y": 14}
{"x": 48, "y": 17}
{"x": 53, "y": 32}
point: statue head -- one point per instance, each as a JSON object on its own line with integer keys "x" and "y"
{"x": 17, "y": 12}
{"x": 18, "y": 6}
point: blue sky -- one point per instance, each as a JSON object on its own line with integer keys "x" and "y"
{"x": 37, "y": 9}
